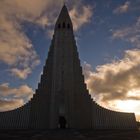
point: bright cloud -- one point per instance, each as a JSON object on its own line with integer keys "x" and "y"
{"x": 80, "y": 16}
{"x": 23, "y": 90}
{"x": 122, "y": 8}
{"x": 115, "y": 81}
{"x": 16, "y": 49}
{"x": 14, "y": 97}
{"x": 6, "y": 105}
{"x": 22, "y": 74}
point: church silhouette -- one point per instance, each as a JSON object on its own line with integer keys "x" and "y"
{"x": 62, "y": 99}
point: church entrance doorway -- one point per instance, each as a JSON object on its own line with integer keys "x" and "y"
{"x": 62, "y": 122}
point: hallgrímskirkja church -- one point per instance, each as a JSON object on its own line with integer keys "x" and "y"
{"x": 62, "y": 99}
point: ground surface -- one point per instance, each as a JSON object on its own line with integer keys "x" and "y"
{"x": 69, "y": 135}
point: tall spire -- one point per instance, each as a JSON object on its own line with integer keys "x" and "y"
{"x": 64, "y": 20}
{"x": 63, "y": 2}
{"x": 62, "y": 99}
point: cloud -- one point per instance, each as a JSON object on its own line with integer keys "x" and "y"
{"x": 16, "y": 49}
{"x": 12, "y": 98}
{"x": 122, "y": 8}
{"x": 21, "y": 91}
{"x": 130, "y": 34}
{"x": 79, "y": 12}
{"x": 114, "y": 81}
{"x": 127, "y": 7}
{"x": 115, "y": 85}
{"x": 80, "y": 16}
{"x": 22, "y": 74}
{"x": 6, "y": 105}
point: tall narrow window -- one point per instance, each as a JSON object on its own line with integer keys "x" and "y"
{"x": 59, "y": 26}
{"x": 68, "y": 26}
{"x": 63, "y": 24}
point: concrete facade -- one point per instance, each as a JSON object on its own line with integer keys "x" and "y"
{"x": 62, "y": 92}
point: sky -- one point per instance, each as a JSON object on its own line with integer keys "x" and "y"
{"x": 108, "y": 40}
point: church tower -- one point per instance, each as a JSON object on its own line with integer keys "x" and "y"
{"x": 62, "y": 89}
{"x": 62, "y": 99}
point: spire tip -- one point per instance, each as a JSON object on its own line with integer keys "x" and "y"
{"x": 64, "y": 2}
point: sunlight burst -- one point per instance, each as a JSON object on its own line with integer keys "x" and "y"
{"x": 127, "y": 106}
